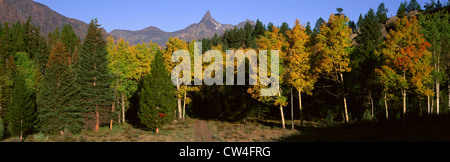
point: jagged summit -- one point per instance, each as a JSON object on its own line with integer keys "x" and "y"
{"x": 205, "y": 28}
{"x": 207, "y": 16}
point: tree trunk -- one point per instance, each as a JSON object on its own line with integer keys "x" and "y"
{"x": 437, "y": 88}
{"x": 345, "y": 100}
{"x": 184, "y": 105}
{"x": 179, "y": 102}
{"x": 404, "y": 99}
{"x": 300, "y": 107}
{"x": 386, "y": 106}
{"x": 112, "y": 109}
{"x": 97, "y": 124}
{"x": 292, "y": 109}
{"x": 123, "y": 107}
{"x": 282, "y": 117}
{"x": 404, "y": 103}
{"x": 432, "y": 105}
{"x": 371, "y": 102}
{"x": 21, "y": 132}
{"x": 437, "y": 95}
{"x": 428, "y": 104}
{"x": 118, "y": 105}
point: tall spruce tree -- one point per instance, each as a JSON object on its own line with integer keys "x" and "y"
{"x": 157, "y": 99}
{"x": 94, "y": 79}
{"x": 22, "y": 111}
{"x": 57, "y": 110}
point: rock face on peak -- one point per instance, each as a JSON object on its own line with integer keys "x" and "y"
{"x": 205, "y": 28}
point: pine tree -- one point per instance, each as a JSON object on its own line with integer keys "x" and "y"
{"x": 94, "y": 79}
{"x": 382, "y": 13}
{"x": 365, "y": 59}
{"x": 401, "y": 11}
{"x": 413, "y": 6}
{"x": 157, "y": 98}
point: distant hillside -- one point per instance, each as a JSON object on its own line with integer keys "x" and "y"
{"x": 41, "y": 15}
{"x": 206, "y": 28}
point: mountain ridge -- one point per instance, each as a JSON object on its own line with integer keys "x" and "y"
{"x": 205, "y": 28}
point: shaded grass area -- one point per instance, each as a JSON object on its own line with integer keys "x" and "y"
{"x": 179, "y": 132}
{"x": 435, "y": 129}
{"x": 252, "y": 131}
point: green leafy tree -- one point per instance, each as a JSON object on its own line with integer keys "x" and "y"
{"x": 334, "y": 46}
{"x": 435, "y": 28}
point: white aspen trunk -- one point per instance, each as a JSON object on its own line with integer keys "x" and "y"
{"x": 292, "y": 109}
{"x": 282, "y": 117}
{"x": 428, "y": 104}
{"x": 404, "y": 98}
{"x": 437, "y": 91}
{"x": 179, "y": 108}
{"x": 404, "y": 103}
{"x": 432, "y": 105}
{"x": 371, "y": 102}
{"x": 300, "y": 106}
{"x": 386, "y": 106}
{"x": 179, "y": 102}
{"x": 118, "y": 105}
{"x": 123, "y": 107}
{"x": 345, "y": 100}
{"x": 184, "y": 105}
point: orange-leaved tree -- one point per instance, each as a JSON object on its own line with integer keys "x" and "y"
{"x": 405, "y": 53}
{"x": 298, "y": 69}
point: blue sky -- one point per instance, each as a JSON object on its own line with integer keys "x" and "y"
{"x": 172, "y": 15}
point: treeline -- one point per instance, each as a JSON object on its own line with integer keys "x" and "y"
{"x": 392, "y": 68}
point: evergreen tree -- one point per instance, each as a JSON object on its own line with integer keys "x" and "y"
{"x": 94, "y": 79}
{"x": 259, "y": 29}
{"x": 157, "y": 99}
{"x": 284, "y": 28}
{"x": 382, "y": 13}
{"x": 57, "y": 110}
{"x": 22, "y": 111}
{"x": 413, "y": 6}
{"x": 316, "y": 28}
{"x": 401, "y": 11}
{"x": 69, "y": 38}
{"x": 365, "y": 60}
{"x": 308, "y": 28}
